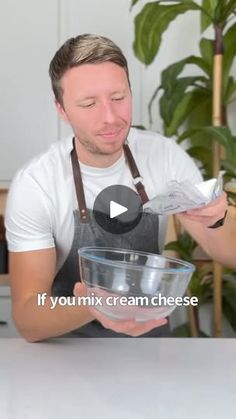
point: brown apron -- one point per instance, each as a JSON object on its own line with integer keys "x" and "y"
{"x": 87, "y": 232}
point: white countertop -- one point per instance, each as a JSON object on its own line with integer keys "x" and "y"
{"x": 118, "y": 378}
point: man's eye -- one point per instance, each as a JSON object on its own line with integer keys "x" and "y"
{"x": 87, "y": 105}
{"x": 118, "y": 98}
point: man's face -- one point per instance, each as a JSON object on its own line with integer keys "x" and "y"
{"x": 97, "y": 104}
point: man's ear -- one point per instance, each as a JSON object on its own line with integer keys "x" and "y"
{"x": 61, "y": 111}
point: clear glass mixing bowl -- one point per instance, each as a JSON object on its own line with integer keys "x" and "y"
{"x": 128, "y": 284}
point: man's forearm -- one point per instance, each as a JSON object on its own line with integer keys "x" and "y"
{"x": 38, "y": 322}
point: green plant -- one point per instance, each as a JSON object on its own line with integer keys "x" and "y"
{"x": 202, "y": 283}
{"x": 186, "y": 102}
{"x": 194, "y": 108}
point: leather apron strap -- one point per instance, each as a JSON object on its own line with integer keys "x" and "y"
{"x": 136, "y": 175}
{"x": 79, "y": 183}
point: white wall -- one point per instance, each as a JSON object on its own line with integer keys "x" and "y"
{"x": 28, "y": 37}
{"x": 30, "y": 33}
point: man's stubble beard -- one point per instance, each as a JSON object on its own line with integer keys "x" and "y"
{"x": 93, "y": 149}
{"x": 96, "y": 150}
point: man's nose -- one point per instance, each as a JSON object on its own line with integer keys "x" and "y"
{"x": 108, "y": 112}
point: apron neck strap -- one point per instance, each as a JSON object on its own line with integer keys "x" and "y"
{"x": 79, "y": 183}
{"x": 135, "y": 174}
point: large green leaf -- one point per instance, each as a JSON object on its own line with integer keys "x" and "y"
{"x": 229, "y": 94}
{"x": 227, "y": 9}
{"x": 184, "y": 246}
{"x": 201, "y": 116}
{"x": 200, "y": 62}
{"x": 171, "y": 99}
{"x": 190, "y": 133}
{"x": 150, "y": 24}
{"x": 187, "y": 134}
{"x": 170, "y": 74}
{"x": 223, "y": 11}
{"x": 190, "y": 100}
{"x": 207, "y": 16}
{"x": 230, "y": 163}
{"x": 219, "y": 12}
{"x": 203, "y": 155}
{"x": 230, "y": 168}
{"x": 229, "y": 54}
{"x": 220, "y": 134}
{"x": 133, "y": 2}
{"x": 207, "y": 50}
{"x": 223, "y": 136}
{"x": 174, "y": 87}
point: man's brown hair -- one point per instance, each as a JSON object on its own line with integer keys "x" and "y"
{"x": 84, "y": 49}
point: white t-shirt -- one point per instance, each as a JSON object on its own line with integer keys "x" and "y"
{"x": 42, "y": 196}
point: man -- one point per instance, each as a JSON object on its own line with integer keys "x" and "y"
{"x": 49, "y": 206}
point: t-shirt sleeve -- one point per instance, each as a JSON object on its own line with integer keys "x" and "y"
{"x": 28, "y": 217}
{"x": 181, "y": 166}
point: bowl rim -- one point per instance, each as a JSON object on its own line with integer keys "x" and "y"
{"x": 186, "y": 266}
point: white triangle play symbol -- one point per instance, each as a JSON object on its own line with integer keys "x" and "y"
{"x": 116, "y": 209}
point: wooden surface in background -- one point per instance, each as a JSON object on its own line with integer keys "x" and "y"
{"x": 3, "y": 199}
{"x": 4, "y": 278}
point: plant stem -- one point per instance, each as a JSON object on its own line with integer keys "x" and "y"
{"x": 217, "y": 93}
{"x": 217, "y": 119}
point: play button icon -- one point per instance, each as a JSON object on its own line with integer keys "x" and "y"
{"x": 117, "y": 209}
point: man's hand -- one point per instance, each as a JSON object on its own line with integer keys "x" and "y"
{"x": 209, "y": 214}
{"x": 128, "y": 327}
